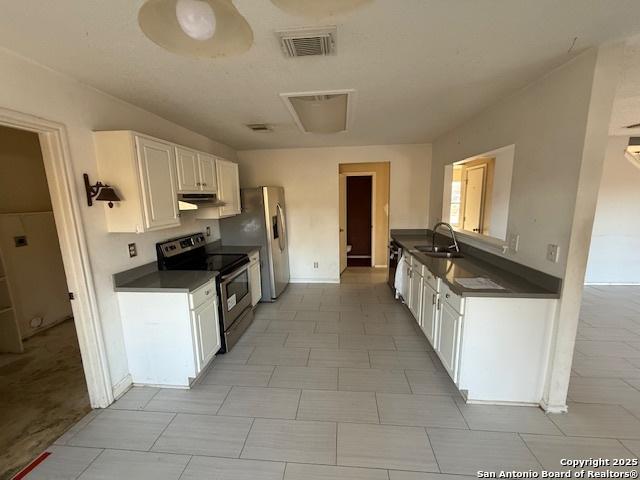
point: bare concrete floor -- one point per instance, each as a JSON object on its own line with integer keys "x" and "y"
{"x": 42, "y": 393}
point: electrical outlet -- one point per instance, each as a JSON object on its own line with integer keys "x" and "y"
{"x": 133, "y": 250}
{"x": 207, "y": 231}
{"x": 20, "y": 241}
{"x": 514, "y": 242}
{"x": 315, "y": 264}
{"x": 553, "y": 252}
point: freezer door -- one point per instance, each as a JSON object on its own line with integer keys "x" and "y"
{"x": 277, "y": 238}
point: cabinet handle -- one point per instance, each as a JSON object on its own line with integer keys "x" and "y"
{"x": 198, "y": 184}
{"x": 204, "y": 184}
{"x": 447, "y": 295}
{"x": 438, "y": 307}
{"x": 433, "y": 299}
{"x": 207, "y": 292}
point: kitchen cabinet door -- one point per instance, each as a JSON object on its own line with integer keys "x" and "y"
{"x": 255, "y": 282}
{"x": 415, "y": 302}
{"x": 207, "y": 332}
{"x": 188, "y": 170}
{"x": 450, "y": 323}
{"x": 228, "y": 187}
{"x": 429, "y": 313}
{"x": 157, "y": 172}
{"x": 208, "y": 176}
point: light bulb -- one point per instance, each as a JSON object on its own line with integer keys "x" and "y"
{"x": 196, "y": 19}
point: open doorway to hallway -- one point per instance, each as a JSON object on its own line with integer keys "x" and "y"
{"x": 364, "y": 215}
{"x": 43, "y": 390}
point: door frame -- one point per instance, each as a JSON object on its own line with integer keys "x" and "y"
{"x": 56, "y": 155}
{"x": 373, "y": 208}
{"x": 484, "y": 168}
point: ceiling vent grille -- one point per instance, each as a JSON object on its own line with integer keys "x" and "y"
{"x": 308, "y": 41}
{"x": 259, "y": 127}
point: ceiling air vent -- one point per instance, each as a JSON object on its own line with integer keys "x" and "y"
{"x": 259, "y": 127}
{"x": 321, "y": 112}
{"x": 303, "y": 42}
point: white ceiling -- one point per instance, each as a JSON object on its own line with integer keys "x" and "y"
{"x": 419, "y": 66}
{"x": 626, "y": 106}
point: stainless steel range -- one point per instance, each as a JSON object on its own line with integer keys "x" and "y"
{"x": 232, "y": 283}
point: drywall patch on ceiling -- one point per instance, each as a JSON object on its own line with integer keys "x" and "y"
{"x": 321, "y": 112}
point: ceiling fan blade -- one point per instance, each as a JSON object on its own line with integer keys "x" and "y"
{"x": 318, "y": 8}
{"x": 233, "y": 35}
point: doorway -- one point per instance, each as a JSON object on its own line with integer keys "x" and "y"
{"x": 360, "y": 220}
{"x": 43, "y": 390}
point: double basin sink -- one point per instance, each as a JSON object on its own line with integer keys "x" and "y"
{"x": 438, "y": 251}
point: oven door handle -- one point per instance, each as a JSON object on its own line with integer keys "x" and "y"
{"x": 234, "y": 274}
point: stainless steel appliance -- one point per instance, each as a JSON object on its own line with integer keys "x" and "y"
{"x": 395, "y": 251}
{"x": 262, "y": 222}
{"x": 232, "y": 282}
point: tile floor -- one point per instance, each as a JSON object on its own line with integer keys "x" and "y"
{"x": 336, "y": 382}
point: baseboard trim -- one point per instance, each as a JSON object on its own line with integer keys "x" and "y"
{"x": 314, "y": 280}
{"x": 612, "y": 284}
{"x": 120, "y": 388}
{"x": 553, "y": 408}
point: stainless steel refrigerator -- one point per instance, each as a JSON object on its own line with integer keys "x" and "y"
{"x": 263, "y": 222}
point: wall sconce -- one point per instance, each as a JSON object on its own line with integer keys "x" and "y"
{"x": 102, "y": 193}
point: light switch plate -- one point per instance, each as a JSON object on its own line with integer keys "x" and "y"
{"x": 208, "y": 231}
{"x": 552, "y": 252}
{"x": 133, "y": 250}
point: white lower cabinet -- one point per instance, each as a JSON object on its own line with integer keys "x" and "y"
{"x": 415, "y": 297}
{"x": 449, "y": 330}
{"x": 430, "y": 311}
{"x": 170, "y": 337}
{"x": 255, "y": 281}
{"x": 405, "y": 293}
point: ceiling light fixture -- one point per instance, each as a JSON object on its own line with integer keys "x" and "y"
{"x": 203, "y": 28}
{"x": 318, "y": 8}
{"x": 321, "y": 112}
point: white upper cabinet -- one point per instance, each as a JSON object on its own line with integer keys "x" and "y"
{"x": 143, "y": 172}
{"x": 196, "y": 171}
{"x": 228, "y": 192}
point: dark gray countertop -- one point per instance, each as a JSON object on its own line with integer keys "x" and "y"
{"x": 451, "y": 269}
{"x": 163, "y": 281}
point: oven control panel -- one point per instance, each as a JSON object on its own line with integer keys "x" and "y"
{"x": 176, "y": 246}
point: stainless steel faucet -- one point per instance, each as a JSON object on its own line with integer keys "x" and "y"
{"x": 453, "y": 236}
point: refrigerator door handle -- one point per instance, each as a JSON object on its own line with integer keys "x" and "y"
{"x": 282, "y": 238}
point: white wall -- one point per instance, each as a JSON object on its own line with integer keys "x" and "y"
{"x": 614, "y": 256}
{"x": 36, "y": 90}
{"x": 310, "y": 179}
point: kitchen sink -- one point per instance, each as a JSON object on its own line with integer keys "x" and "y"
{"x": 439, "y": 252}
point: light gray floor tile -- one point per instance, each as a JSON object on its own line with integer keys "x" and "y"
{"x": 356, "y": 407}
{"x": 465, "y": 451}
{"x": 135, "y": 399}
{"x": 211, "y": 468}
{"x": 424, "y": 382}
{"x": 606, "y": 349}
{"x": 604, "y": 421}
{"x": 608, "y": 334}
{"x": 633, "y": 446}
{"x": 398, "y": 475}
{"x": 292, "y": 441}
{"x": 551, "y": 450}
{"x": 322, "y": 357}
{"x": 367, "y": 342}
{"x": 261, "y": 402}
{"x": 391, "y": 359}
{"x": 312, "y": 340}
{"x": 419, "y": 410}
{"x": 291, "y": 326}
{"x": 206, "y": 399}
{"x": 64, "y": 463}
{"x": 139, "y": 465}
{"x": 239, "y": 355}
{"x": 372, "y": 380}
{"x": 341, "y": 326}
{"x": 125, "y": 429}
{"x": 279, "y": 356}
{"x": 274, "y": 314}
{"x": 411, "y": 342}
{"x": 84, "y": 421}
{"x": 301, "y": 307}
{"x": 383, "y": 307}
{"x": 316, "y": 316}
{"x": 204, "y": 435}
{"x": 263, "y": 339}
{"x": 508, "y": 419}
{"x": 319, "y": 378}
{"x": 397, "y": 328}
{"x": 241, "y": 375}
{"x": 327, "y": 307}
{"x": 602, "y": 390}
{"x": 259, "y": 326}
{"x": 364, "y": 317}
{"x": 385, "y": 446}
{"x": 605, "y": 367}
{"x": 634, "y": 382}
{"x": 299, "y": 471}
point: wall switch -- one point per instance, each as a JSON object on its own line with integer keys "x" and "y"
{"x": 315, "y": 264}
{"x": 133, "y": 251}
{"x": 207, "y": 231}
{"x": 552, "y": 252}
{"x": 514, "y": 242}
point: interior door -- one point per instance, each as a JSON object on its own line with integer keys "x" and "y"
{"x": 278, "y": 240}
{"x": 208, "y": 177}
{"x": 187, "y": 169}
{"x": 474, "y": 199}
{"x": 343, "y": 222}
{"x": 359, "y": 220}
{"x": 157, "y": 169}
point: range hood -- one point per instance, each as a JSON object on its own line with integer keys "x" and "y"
{"x": 193, "y": 201}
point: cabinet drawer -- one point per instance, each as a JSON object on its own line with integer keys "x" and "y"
{"x": 430, "y": 279}
{"x": 202, "y": 294}
{"x": 254, "y": 257}
{"x": 454, "y": 300}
